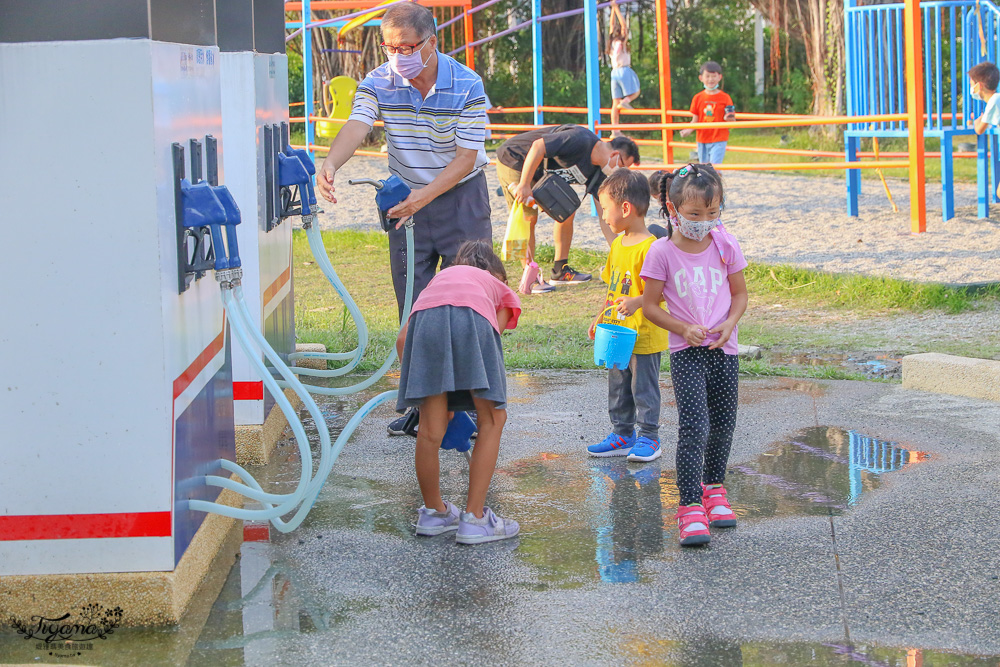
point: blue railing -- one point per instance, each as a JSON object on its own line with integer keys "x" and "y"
{"x": 876, "y": 62}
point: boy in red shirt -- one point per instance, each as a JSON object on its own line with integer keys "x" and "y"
{"x": 709, "y": 106}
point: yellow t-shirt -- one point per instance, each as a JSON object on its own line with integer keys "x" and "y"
{"x": 621, "y": 273}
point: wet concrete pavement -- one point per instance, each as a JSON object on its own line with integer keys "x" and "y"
{"x": 867, "y": 535}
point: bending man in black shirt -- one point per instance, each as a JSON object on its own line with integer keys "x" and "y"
{"x": 519, "y": 166}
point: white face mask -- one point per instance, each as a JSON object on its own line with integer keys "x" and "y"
{"x": 607, "y": 168}
{"x": 695, "y": 230}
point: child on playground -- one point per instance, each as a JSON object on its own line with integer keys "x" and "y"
{"x": 709, "y": 106}
{"x": 634, "y": 391}
{"x": 698, "y": 269}
{"x": 984, "y": 79}
{"x": 624, "y": 82}
{"x": 452, "y": 359}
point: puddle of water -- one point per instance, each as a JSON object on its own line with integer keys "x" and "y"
{"x": 713, "y": 652}
{"x": 598, "y": 519}
{"x": 872, "y": 364}
{"x": 592, "y": 521}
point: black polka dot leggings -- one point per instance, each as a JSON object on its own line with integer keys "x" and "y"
{"x": 705, "y": 388}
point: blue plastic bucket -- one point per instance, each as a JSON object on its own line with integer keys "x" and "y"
{"x": 613, "y": 345}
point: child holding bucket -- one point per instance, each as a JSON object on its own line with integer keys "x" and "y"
{"x": 452, "y": 359}
{"x": 633, "y": 388}
{"x": 699, "y": 272}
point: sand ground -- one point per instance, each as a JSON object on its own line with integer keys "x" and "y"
{"x": 780, "y": 219}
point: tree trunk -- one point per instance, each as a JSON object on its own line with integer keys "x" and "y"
{"x": 819, "y": 24}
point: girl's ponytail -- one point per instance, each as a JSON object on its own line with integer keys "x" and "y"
{"x": 665, "y": 180}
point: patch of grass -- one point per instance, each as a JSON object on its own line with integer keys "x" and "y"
{"x": 764, "y": 368}
{"x": 552, "y": 330}
{"x": 864, "y": 294}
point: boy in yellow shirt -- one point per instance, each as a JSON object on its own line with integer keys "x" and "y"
{"x": 633, "y": 392}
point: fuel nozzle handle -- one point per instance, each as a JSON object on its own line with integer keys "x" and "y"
{"x": 366, "y": 181}
{"x": 389, "y": 193}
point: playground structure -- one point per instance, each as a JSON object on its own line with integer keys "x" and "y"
{"x": 897, "y": 86}
{"x": 957, "y": 34}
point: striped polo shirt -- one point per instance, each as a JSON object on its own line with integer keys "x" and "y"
{"x": 423, "y": 133}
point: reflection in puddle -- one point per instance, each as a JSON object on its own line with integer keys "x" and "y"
{"x": 623, "y": 513}
{"x": 871, "y": 364}
{"x": 714, "y": 652}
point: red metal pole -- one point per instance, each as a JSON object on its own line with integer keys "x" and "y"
{"x": 470, "y": 58}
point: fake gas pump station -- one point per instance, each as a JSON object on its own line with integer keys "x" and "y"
{"x": 148, "y": 345}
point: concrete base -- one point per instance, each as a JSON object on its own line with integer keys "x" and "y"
{"x": 316, "y": 364}
{"x": 146, "y": 598}
{"x": 948, "y": 374}
{"x": 255, "y": 443}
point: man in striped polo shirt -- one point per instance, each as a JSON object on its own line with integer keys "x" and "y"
{"x": 435, "y": 123}
{"x": 434, "y": 110}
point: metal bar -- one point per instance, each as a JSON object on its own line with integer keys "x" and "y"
{"x": 954, "y": 72}
{"x": 914, "y": 94}
{"x": 938, "y": 73}
{"x": 593, "y": 60}
{"x": 663, "y": 61}
{"x": 537, "y": 69}
{"x": 307, "y": 75}
{"x": 470, "y": 57}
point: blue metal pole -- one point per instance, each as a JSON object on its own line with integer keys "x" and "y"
{"x": 593, "y": 78}
{"x": 982, "y": 176}
{"x": 853, "y": 175}
{"x": 947, "y": 178}
{"x": 307, "y": 77}
{"x": 536, "y": 60}
{"x": 593, "y": 59}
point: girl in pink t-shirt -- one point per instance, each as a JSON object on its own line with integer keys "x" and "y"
{"x": 452, "y": 359}
{"x": 699, "y": 272}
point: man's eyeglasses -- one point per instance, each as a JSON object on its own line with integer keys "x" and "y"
{"x": 402, "y": 49}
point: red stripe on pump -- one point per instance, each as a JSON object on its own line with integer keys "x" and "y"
{"x": 198, "y": 365}
{"x": 84, "y": 526}
{"x": 248, "y": 391}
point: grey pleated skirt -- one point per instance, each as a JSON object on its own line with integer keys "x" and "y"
{"x": 453, "y": 350}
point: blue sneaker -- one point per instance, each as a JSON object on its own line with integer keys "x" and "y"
{"x": 613, "y": 445}
{"x": 645, "y": 449}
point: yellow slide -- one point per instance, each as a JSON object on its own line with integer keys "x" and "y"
{"x": 361, "y": 20}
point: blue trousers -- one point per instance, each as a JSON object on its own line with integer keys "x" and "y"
{"x": 712, "y": 153}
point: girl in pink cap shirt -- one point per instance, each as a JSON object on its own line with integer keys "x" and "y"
{"x": 698, "y": 268}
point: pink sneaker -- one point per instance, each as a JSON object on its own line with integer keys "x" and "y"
{"x": 692, "y": 525}
{"x": 720, "y": 514}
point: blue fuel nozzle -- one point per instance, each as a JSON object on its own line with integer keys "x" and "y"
{"x": 388, "y": 193}
{"x": 233, "y": 218}
{"x": 202, "y": 208}
{"x": 291, "y": 172}
{"x": 307, "y": 162}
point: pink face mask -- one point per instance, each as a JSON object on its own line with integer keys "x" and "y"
{"x": 408, "y": 67}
